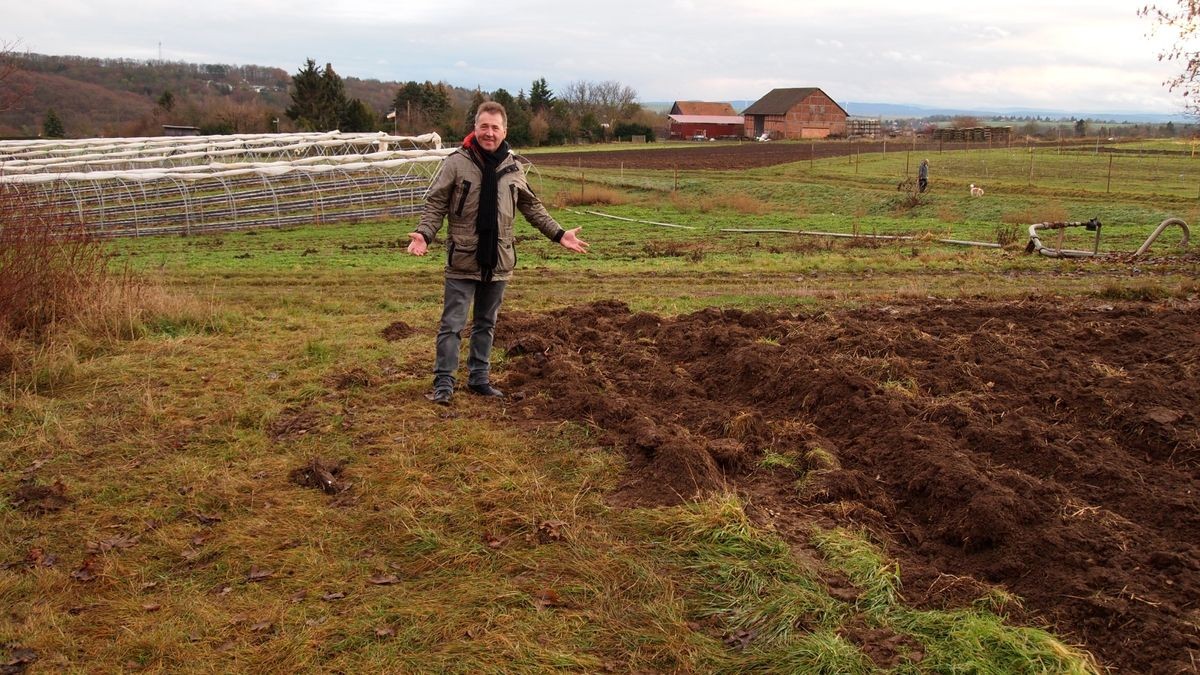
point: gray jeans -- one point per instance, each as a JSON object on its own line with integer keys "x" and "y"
{"x": 459, "y": 295}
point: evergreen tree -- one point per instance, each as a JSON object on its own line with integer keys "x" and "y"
{"x": 407, "y": 103}
{"x": 422, "y": 107}
{"x": 476, "y": 101}
{"x": 52, "y": 126}
{"x": 518, "y": 117}
{"x": 306, "y": 96}
{"x": 359, "y": 117}
{"x": 435, "y": 103}
{"x": 166, "y": 101}
{"x": 540, "y": 96}
{"x": 334, "y": 104}
{"x": 318, "y": 98}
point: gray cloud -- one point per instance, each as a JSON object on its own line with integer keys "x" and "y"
{"x": 1063, "y": 55}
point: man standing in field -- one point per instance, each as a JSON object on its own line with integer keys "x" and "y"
{"x": 923, "y": 176}
{"x": 479, "y": 189}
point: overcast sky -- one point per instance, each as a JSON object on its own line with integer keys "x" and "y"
{"x": 1072, "y": 55}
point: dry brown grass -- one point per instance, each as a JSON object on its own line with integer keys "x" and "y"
{"x": 736, "y": 202}
{"x": 61, "y": 299}
{"x": 589, "y": 195}
{"x": 50, "y": 268}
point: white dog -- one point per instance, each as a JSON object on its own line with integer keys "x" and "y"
{"x": 976, "y": 191}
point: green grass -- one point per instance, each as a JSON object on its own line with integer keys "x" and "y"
{"x": 184, "y": 435}
{"x": 748, "y": 588}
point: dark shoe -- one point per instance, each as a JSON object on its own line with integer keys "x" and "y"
{"x": 441, "y": 396}
{"x": 485, "y": 389}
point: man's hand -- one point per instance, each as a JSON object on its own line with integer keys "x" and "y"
{"x": 570, "y": 240}
{"x": 417, "y": 245}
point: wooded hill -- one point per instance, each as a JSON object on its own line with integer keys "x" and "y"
{"x": 125, "y": 97}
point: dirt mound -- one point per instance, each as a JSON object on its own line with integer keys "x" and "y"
{"x": 397, "y": 330}
{"x": 1050, "y": 449}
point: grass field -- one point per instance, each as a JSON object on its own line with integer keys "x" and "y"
{"x": 179, "y": 540}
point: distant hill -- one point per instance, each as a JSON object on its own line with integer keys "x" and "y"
{"x": 120, "y": 97}
{"x": 907, "y": 111}
{"x": 904, "y": 111}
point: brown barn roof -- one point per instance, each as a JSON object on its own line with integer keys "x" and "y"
{"x": 707, "y": 119}
{"x": 702, "y": 108}
{"x": 779, "y": 101}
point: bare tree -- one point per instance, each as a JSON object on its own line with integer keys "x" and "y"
{"x": 1182, "y": 19}
{"x": 607, "y": 101}
{"x": 578, "y": 97}
{"x": 11, "y": 92}
{"x": 614, "y": 101}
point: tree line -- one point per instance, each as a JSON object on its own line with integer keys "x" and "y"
{"x": 72, "y": 96}
{"x": 591, "y": 111}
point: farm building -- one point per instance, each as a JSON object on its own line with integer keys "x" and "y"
{"x": 704, "y": 119}
{"x": 864, "y": 127}
{"x": 702, "y": 108}
{"x": 999, "y": 134}
{"x": 805, "y": 112}
{"x": 180, "y": 130}
{"x": 706, "y": 126}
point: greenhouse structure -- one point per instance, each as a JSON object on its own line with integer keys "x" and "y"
{"x": 191, "y": 184}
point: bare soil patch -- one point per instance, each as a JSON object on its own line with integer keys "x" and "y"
{"x": 1052, "y": 449}
{"x": 37, "y": 499}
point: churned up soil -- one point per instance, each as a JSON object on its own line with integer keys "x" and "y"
{"x": 1049, "y": 448}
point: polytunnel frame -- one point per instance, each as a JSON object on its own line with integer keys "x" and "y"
{"x": 132, "y": 201}
{"x": 362, "y": 200}
{"x": 174, "y": 199}
{"x": 319, "y": 203}
{"x": 274, "y": 196}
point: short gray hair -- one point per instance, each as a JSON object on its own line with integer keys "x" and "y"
{"x": 493, "y": 108}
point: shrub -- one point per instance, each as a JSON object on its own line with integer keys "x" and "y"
{"x": 60, "y": 299}
{"x": 627, "y": 129}
{"x": 49, "y": 265}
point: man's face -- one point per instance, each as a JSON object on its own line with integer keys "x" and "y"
{"x": 489, "y": 130}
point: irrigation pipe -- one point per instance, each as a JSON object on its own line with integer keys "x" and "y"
{"x": 898, "y": 237}
{"x": 1035, "y": 244}
{"x": 630, "y": 220}
{"x": 1162, "y": 226}
{"x": 845, "y": 235}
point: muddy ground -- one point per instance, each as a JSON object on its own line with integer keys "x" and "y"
{"x": 1049, "y": 449}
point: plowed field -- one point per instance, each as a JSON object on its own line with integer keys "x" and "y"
{"x": 746, "y": 155}
{"x": 1052, "y": 450}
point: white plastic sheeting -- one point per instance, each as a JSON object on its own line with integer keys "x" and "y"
{"x": 176, "y": 185}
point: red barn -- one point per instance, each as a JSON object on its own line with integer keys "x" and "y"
{"x": 796, "y": 113}
{"x": 703, "y": 120}
{"x": 703, "y": 127}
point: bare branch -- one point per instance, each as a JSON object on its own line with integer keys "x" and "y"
{"x": 11, "y": 92}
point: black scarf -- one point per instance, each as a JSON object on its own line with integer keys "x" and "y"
{"x": 487, "y": 227}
